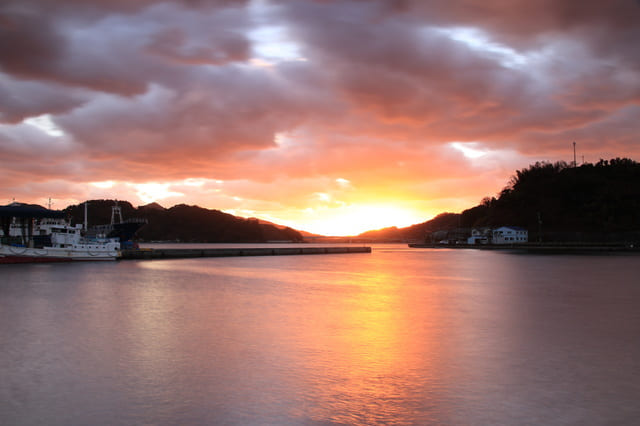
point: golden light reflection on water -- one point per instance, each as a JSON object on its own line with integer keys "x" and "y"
{"x": 412, "y": 337}
{"x": 359, "y": 342}
{"x": 360, "y": 369}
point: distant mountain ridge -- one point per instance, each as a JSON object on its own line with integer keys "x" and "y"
{"x": 553, "y": 201}
{"x": 414, "y": 232}
{"x": 186, "y": 223}
{"x": 266, "y": 222}
{"x": 155, "y": 206}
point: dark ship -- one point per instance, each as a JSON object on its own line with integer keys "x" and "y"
{"x": 124, "y": 230}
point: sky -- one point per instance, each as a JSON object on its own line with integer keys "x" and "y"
{"x": 333, "y": 117}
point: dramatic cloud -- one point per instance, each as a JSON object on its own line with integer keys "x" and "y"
{"x": 301, "y": 110}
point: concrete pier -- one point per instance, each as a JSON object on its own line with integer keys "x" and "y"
{"x": 174, "y": 253}
{"x": 551, "y": 248}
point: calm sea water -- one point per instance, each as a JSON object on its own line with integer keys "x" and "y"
{"x": 398, "y": 336}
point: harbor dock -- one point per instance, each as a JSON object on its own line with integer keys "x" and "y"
{"x": 542, "y": 248}
{"x": 184, "y": 253}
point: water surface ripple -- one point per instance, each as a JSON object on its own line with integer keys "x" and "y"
{"x": 399, "y": 336}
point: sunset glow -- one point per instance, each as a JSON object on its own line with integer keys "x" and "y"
{"x": 329, "y": 117}
{"x": 353, "y": 220}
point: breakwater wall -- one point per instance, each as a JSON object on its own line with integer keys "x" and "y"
{"x": 541, "y": 247}
{"x": 174, "y": 253}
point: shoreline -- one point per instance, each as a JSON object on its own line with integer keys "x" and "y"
{"x": 542, "y": 247}
{"x": 185, "y": 253}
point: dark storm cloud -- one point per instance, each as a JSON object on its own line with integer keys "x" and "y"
{"x": 100, "y": 45}
{"x": 29, "y": 41}
{"x": 523, "y": 23}
{"x": 21, "y": 99}
{"x": 393, "y": 58}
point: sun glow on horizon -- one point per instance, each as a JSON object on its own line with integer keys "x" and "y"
{"x": 337, "y": 209}
{"x": 355, "y": 219}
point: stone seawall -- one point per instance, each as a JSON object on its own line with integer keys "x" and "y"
{"x": 541, "y": 247}
{"x": 230, "y": 252}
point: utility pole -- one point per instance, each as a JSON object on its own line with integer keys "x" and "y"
{"x": 575, "y": 164}
{"x": 539, "y": 228}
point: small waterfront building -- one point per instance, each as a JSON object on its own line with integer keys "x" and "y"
{"x": 510, "y": 235}
{"x": 480, "y": 236}
{"x": 458, "y": 235}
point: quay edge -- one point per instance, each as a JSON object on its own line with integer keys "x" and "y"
{"x": 541, "y": 247}
{"x": 174, "y": 253}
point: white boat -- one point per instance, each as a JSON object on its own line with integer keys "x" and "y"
{"x": 51, "y": 239}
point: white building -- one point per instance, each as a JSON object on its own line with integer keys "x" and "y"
{"x": 479, "y": 236}
{"x": 510, "y": 235}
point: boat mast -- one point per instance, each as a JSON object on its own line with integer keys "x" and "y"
{"x": 85, "y": 216}
{"x": 116, "y": 211}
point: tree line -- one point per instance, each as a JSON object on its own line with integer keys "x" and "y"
{"x": 559, "y": 201}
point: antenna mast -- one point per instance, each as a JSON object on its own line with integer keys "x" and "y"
{"x": 116, "y": 212}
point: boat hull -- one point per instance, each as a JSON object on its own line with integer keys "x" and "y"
{"x": 24, "y": 259}
{"x": 12, "y": 254}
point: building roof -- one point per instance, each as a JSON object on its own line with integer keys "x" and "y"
{"x": 515, "y": 228}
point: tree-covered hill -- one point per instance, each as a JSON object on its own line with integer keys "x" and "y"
{"x": 592, "y": 201}
{"x": 554, "y": 202}
{"x": 186, "y": 223}
{"x": 444, "y": 221}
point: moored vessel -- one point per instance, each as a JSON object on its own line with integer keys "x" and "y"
{"x": 123, "y": 230}
{"x": 31, "y": 233}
